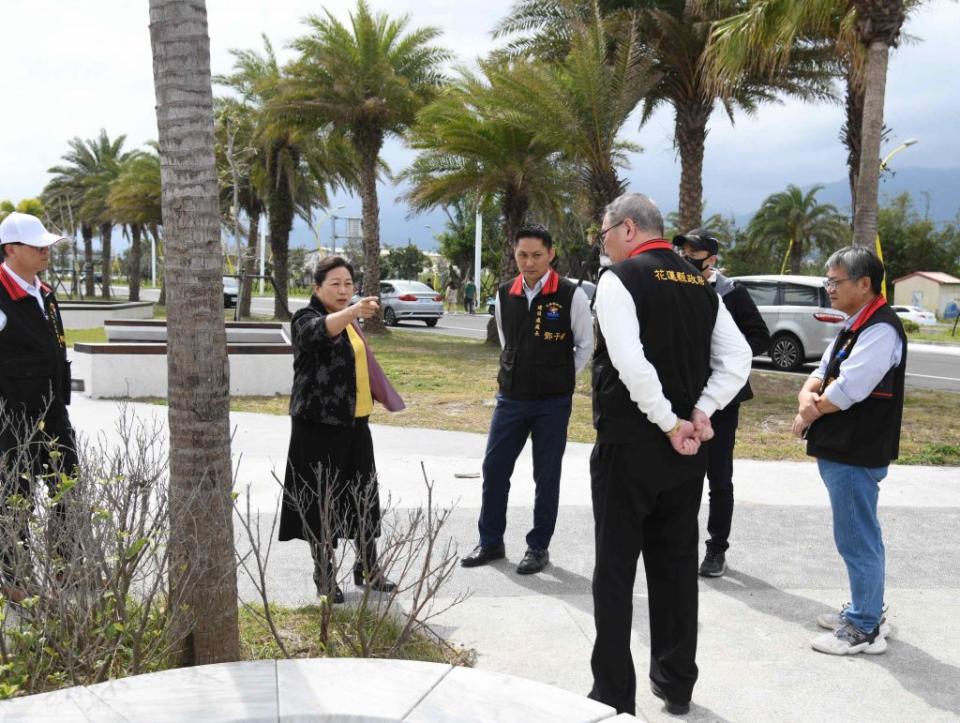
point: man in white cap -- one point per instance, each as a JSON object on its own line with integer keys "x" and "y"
{"x": 36, "y": 438}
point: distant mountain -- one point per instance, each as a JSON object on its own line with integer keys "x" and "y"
{"x": 935, "y": 191}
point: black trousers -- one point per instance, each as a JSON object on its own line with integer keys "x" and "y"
{"x": 645, "y": 500}
{"x": 720, "y": 476}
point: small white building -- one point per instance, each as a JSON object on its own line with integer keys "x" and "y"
{"x": 931, "y": 290}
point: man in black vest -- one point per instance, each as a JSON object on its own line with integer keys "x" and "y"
{"x": 667, "y": 356}
{"x": 850, "y": 412}
{"x": 545, "y": 329}
{"x": 701, "y": 249}
{"x": 36, "y": 438}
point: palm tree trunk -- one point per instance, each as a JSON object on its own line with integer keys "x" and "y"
{"x": 280, "y": 210}
{"x": 87, "y": 232}
{"x": 514, "y": 207}
{"x": 249, "y": 259}
{"x": 203, "y": 584}
{"x": 875, "y": 82}
{"x": 796, "y": 256}
{"x": 850, "y": 132}
{"x": 106, "y": 257}
{"x": 368, "y": 149}
{"x": 134, "y": 270}
{"x": 690, "y": 136}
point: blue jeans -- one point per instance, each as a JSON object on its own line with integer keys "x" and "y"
{"x": 856, "y": 531}
{"x": 545, "y": 421}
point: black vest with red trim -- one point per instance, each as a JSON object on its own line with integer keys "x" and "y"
{"x": 676, "y": 310}
{"x": 34, "y": 372}
{"x": 868, "y": 433}
{"x": 537, "y": 357}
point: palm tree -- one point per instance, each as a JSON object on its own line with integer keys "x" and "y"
{"x": 672, "y": 38}
{"x": 471, "y": 148}
{"x": 860, "y": 32}
{"x": 135, "y": 202}
{"x": 291, "y": 165}
{"x": 204, "y": 588}
{"x": 367, "y": 81}
{"x": 794, "y": 222}
{"x": 581, "y": 104}
{"x": 91, "y": 166}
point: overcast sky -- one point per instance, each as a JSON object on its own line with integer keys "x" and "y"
{"x": 72, "y": 67}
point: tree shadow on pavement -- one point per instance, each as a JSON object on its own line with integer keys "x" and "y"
{"x": 916, "y": 670}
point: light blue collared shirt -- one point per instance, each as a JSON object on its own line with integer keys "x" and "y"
{"x": 876, "y": 352}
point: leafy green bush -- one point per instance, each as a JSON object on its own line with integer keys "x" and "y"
{"x": 910, "y": 326}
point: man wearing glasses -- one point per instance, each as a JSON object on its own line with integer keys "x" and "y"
{"x": 667, "y": 356}
{"x": 701, "y": 249}
{"x": 36, "y": 437}
{"x": 850, "y": 412}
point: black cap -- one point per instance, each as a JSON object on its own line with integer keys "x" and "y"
{"x": 700, "y": 240}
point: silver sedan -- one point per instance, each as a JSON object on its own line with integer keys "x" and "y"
{"x": 409, "y": 300}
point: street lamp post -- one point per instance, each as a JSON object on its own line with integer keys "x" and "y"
{"x": 883, "y": 165}
{"x": 316, "y": 228}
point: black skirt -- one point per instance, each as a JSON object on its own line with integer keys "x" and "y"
{"x": 330, "y": 468}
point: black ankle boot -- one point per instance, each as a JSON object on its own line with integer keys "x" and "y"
{"x": 324, "y": 591}
{"x": 370, "y": 573}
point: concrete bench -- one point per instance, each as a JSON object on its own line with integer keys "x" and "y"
{"x": 340, "y": 689}
{"x": 140, "y": 370}
{"x": 155, "y": 330}
{"x": 92, "y": 314}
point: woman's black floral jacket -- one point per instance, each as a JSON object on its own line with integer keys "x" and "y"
{"x": 324, "y": 371}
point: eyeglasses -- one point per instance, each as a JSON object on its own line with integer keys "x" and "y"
{"x": 604, "y": 232}
{"x": 831, "y": 284}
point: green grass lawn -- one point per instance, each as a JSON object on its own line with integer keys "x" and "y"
{"x": 450, "y": 383}
{"x": 940, "y": 335}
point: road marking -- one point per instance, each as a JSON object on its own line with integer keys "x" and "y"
{"x": 929, "y": 376}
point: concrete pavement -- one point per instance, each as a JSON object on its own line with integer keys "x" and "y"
{"x": 755, "y": 623}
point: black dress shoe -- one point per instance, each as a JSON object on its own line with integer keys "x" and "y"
{"x": 482, "y": 555}
{"x": 674, "y": 707}
{"x": 533, "y": 561}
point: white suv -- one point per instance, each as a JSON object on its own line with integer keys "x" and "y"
{"x": 798, "y": 314}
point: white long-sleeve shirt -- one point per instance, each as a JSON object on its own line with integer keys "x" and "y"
{"x": 730, "y": 356}
{"x": 581, "y": 320}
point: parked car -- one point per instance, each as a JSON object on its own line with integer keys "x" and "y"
{"x": 231, "y": 292}
{"x": 915, "y": 314}
{"x": 798, "y": 314}
{"x": 589, "y": 288}
{"x": 409, "y": 300}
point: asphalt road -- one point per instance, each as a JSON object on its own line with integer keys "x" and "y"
{"x": 928, "y": 366}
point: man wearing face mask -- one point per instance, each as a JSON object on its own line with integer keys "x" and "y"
{"x": 701, "y": 249}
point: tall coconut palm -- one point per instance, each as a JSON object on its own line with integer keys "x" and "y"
{"x": 861, "y": 32}
{"x": 471, "y": 148}
{"x": 794, "y": 222}
{"x": 204, "y": 583}
{"x": 367, "y": 81}
{"x": 91, "y": 166}
{"x": 672, "y": 37}
{"x": 291, "y": 165}
{"x": 135, "y": 202}
{"x": 581, "y": 104}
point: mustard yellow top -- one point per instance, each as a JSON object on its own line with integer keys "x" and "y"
{"x": 364, "y": 396}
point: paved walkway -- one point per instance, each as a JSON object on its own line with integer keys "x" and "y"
{"x": 755, "y": 662}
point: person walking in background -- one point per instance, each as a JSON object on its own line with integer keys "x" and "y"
{"x": 36, "y": 437}
{"x": 701, "y": 249}
{"x": 667, "y": 356}
{"x": 850, "y": 410}
{"x": 544, "y": 324}
{"x": 330, "y": 486}
{"x": 470, "y": 297}
{"x": 451, "y": 296}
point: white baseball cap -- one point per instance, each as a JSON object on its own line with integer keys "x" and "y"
{"x": 22, "y": 228}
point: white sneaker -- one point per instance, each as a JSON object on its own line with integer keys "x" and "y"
{"x": 849, "y": 640}
{"x": 835, "y": 621}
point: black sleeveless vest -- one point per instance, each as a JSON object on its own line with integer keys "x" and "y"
{"x": 676, "y": 310}
{"x": 537, "y": 357}
{"x": 868, "y": 433}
